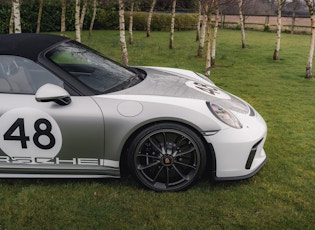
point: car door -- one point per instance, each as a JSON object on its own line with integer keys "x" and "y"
{"x": 41, "y": 136}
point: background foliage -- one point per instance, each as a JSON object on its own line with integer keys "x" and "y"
{"x": 51, "y": 18}
{"x": 107, "y": 13}
{"x": 106, "y": 18}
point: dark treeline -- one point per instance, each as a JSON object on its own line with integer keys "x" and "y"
{"x": 107, "y": 13}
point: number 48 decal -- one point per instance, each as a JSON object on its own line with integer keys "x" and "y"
{"x": 29, "y": 132}
{"x": 42, "y": 127}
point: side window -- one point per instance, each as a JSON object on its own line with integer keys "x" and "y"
{"x": 19, "y": 75}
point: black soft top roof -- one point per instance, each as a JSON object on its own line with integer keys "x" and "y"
{"x": 27, "y": 45}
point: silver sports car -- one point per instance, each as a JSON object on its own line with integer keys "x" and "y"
{"x": 69, "y": 112}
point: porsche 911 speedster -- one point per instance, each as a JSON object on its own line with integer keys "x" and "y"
{"x": 66, "y": 111}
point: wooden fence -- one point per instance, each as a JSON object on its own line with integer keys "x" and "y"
{"x": 289, "y": 24}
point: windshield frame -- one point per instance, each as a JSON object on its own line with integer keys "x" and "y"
{"x": 93, "y": 60}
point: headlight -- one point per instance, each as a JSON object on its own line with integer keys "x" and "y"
{"x": 224, "y": 115}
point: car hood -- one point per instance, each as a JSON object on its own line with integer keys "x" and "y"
{"x": 171, "y": 82}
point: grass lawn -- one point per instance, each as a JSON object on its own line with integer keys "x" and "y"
{"x": 280, "y": 196}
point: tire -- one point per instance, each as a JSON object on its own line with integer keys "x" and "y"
{"x": 167, "y": 157}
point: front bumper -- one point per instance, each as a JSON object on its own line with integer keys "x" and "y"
{"x": 239, "y": 153}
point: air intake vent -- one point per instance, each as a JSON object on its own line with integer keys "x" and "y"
{"x": 252, "y": 155}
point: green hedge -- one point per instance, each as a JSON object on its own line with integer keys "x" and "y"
{"x": 51, "y": 18}
{"x": 105, "y": 19}
{"x": 162, "y": 21}
{"x": 4, "y": 19}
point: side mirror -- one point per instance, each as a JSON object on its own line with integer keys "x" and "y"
{"x": 50, "y": 92}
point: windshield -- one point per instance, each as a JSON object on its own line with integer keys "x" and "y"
{"x": 92, "y": 69}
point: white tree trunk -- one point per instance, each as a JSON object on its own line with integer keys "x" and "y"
{"x": 150, "y": 18}
{"x": 208, "y": 38}
{"x": 198, "y": 22}
{"x": 63, "y": 17}
{"x": 93, "y": 17}
{"x": 215, "y": 32}
{"x": 203, "y": 30}
{"x": 39, "y": 18}
{"x": 17, "y": 16}
{"x": 82, "y": 15}
{"x": 309, "y": 66}
{"x": 240, "y": 7}
{"x": 171, "y": 44}
{"x": 131, "y": 23}
{"x": 11, "y": 26}
{"x": 123, "y": 44}
{"x": 277, "y": 49}
{"x": 77, "y": 21}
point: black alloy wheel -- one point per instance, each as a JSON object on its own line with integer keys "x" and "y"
{"x": 167, "y": 157}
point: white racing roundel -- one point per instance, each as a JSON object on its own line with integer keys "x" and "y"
{"x": 208, "y": 89}
{"x": 27, "y": 132}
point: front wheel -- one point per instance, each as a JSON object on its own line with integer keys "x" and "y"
{"x": 167, "y": 157}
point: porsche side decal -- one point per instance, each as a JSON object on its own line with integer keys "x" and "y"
{"x": 58, "y": 161}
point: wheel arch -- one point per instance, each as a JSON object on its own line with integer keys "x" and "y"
{"x": 210, "y": 154}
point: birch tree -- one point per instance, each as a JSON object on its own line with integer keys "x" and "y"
{"x": 93, "y": 17}
{"x": 150, "y": 18}
{"x": 17, "y": 16}
{"x": 311, "y": 52}
{"x": 240, "y": 8}
{"x": 82, "y": 14}
{"x": 123, "y": 44}
{"x": 294, "y": 6}
{"x": 203, "y": 29}
{"x": 63, "y": 17}
{"x": 77, "y": 20}
{"x": 279, "y": 25}
{"x": 215, "y": 32}
{"x": 131, "y": 22}
{"x": 208, "y": 37}
{"x": 11, "y": 26}
{"x": 171, "y": 43}
{"x": 39, "y": 17}
{"x": 198, "y": 22}
{"x": 293, "y": 16}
